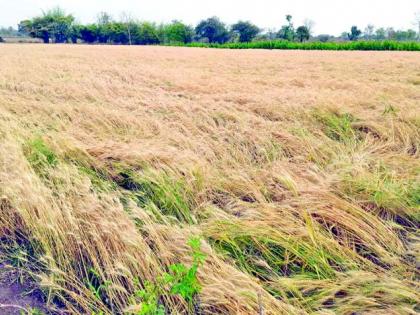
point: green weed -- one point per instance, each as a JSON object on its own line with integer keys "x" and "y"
{"x": 99, "y": 180}
{"x": 179, "y": 280}
{"x": 183, "y": 280}
{"x": 40, "y": 156}
{"x": 263, "y": 253}
{"x": 379, "y": 188}
{"x": 96, "y": 285}
{"x": 168, "y": 194}
{"x": 337, "y": 126}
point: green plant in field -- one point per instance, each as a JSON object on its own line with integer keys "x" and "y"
{"x": 277, "y": 253}
{"x": 390, "y": 110}
{"x": 382, "y": 190}
{"x": 40, "y": 156}
{"x": 149, "y": 298}
{"x": 99, "y": 180}
{"x": 96, "y": 285}
{"x": 179, "y": 280}
{"x": 337, "y": 126}
{"x": 183, "y": 280}
{"x": 282, "y": 44}
{"x": 32, "y": 311}
{"x": 158, "y": 190}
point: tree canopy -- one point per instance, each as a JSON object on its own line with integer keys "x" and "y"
{"x": 213, "y": 30}
{"x": 57, "y": 26}
{"x": 246, "y": 30}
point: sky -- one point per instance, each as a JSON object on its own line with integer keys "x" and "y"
{"x": 330, "y": 16}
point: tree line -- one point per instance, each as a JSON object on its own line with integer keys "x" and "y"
{"x": 57, "y": 26}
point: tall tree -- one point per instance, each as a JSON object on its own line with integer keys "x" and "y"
{"x": 302, "y": 33}
{"x": 354, "y": 33}
{"x": 145, "y": 33}
{"x": 417, "y": 23}
{"x": 246, "y": 30}
{"x": 309, "y": 25}
{"x": 54, "y": 24}
{"x": 369, "y": 31}
{"x": 177, "y": 32}
{"x": 213, "y": 30}
{"x": 128, "y": 20}
{"x": 287, "y": 32}
{"x": 380, "y": 34}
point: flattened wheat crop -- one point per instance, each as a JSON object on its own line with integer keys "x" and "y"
{"x": 153, "y": 180}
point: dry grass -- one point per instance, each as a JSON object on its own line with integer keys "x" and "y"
{"x": 299, "y": 170}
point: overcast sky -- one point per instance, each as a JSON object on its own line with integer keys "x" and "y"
{"x": 330, "y": 16}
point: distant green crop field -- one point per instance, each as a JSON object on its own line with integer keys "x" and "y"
{"x": 276, "y": 44}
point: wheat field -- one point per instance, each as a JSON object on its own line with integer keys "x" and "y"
{"x": 297, "y": 170}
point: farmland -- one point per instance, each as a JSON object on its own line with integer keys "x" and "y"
{"x": 287, "y": 182}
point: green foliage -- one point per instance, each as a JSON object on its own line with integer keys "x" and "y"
{"x": 88, "y": 33}
{"x": 212, "y": 30}
{"x": 266, "y": 252}
{"x": 177, "y": 32}
{"x": 40, "y": 156}
{"x": 9, "y": 32}
{"x": 145, "y": 33}
{"x": 281, "y": 44}
{"x": 149, "y": 298}
{"x": 354, "y": 33}
{"x": 180, "y": 280}
{"x": 378, "y": 188}
{"x": 247, "y": 31}
{"x": 302, "y": 33}
{"x": 183, "y": 280}
{"x": 287, "y": 32}
{"x": 337, "y": 126}
{"x": 32, "y": 311}
{"x": 96, "y": 285}
{"x": 170, "y": 195}
{"x": 54, "y": 24}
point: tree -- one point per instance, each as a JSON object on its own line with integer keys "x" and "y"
{"x": 104, "y": 18}
{"x": 118, "y": 33}
{"x": 380, "y": 34}
{"x": 324, "y": 38}
{"x": 75, "y": 33}
{"x": 287, "y": 32}
{"x": 369, "y": 31}
{"x": 89, "y": 33}
{"x": 302, "y": 33}
{"x": 408, "y": 35}
{"x": 390, "y": 33}
{"x": 9, "y": 32}
{"x": 59, "y": 24}
{"x": 354, "y": 33}
{"x": 36, "y": 28}
{"x": 54, "y": 24}
{"x": 104, "y": 22}
{"x": 213, "y": 30}
{"x": 417, "y": 23}
{"x": 145, "y": 33}
{"x": 309, "y": 25}
{"x": 177, "y": 32}
{"x": 128, "y": 20}
{"x": 246, "y": 30}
